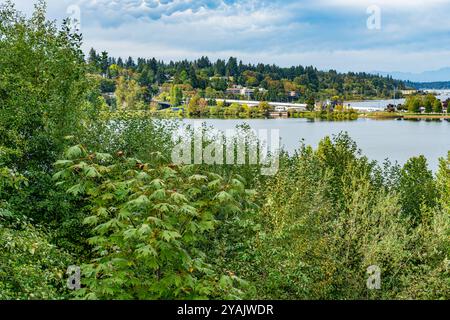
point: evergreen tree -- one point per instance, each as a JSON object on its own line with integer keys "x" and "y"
{"x": 103, "y": 63}
{"x": 93, "y": 60}
{"x": 232, "y": 67}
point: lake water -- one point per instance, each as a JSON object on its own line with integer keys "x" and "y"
{"x": 375, "y": 105}
{"x": 442, "y": 95}
{"x": 379, "y": 105}
{"x": 397, "y": 140}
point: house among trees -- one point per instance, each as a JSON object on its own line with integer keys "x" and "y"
{"x": 240, "y": 90}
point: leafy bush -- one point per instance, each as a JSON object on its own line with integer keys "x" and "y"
{"x": 30, "y": 267}
{"x": 149, "y": 223}
{"x": 43, "y": 87}
{"x": 326, "y": 220}
{"x": 417, "y": 188}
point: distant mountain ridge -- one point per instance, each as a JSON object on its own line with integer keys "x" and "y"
{"x": 435, "y": 76}
{"x": 441, "y": 85}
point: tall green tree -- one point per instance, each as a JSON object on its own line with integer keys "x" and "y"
{"x": 104, "y": 65}
{"x": 417, "y": 188}
{"x": 93, "y": 60}
{"x": 176, "y": 96}
{"x": 437, "y": 106}
{"x": 193, "y": 106}
{"x": 43, "y": 88}
{"x": 128, "y": 93}
{"x": 413, "y": 104}
{"x": 232, "y": 67}
{"x": 310, "y": 104}
{"x": 264, "y": 108}
{"x": 428, "y": 103}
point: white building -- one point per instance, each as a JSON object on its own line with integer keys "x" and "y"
{"x": 286, "y": 106}
{"x": 240, "y": 90}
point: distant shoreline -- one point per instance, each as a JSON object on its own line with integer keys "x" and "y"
{"x": 335, "y": 116}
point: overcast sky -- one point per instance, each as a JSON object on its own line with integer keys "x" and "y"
{"x": 330, "y": 34}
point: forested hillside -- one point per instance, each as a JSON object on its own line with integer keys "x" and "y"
{"x": 143, "y": 79}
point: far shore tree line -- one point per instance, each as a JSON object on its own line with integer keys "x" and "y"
{"x": 191, "y": 88}
{"x": 181, "y": 100}
{"x": 425, "y": 104}
{"x": 133, "y": 84}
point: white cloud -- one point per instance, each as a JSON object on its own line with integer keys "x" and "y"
{"x": 145, "y": 9}
{"x": 398, "y": 4}
{"x": 324, "y": 33}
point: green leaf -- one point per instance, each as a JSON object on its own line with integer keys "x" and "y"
{"x": 146, "y": 251}
{"x": 141, "y": 201}
{"x": 214, "y": 176}
{"x": 107, "y": 226}
{"x": 144, "y": 230}
{"x": 130, "y": 233}
{"x": 63, "y": 163}
{"x": 142, "y": 176}
{"x": 103, "y": 156}
{"x": 74, "y": 152}
{"x": 225, "y": 282}
{"x": 91, "y": 172}
{"x": 158, "y": 195}
{"x": 76, "y": 190}
{"x": 198, "y": 178}
{"x": 165, "y": 208}
{"x": 188, "y": 210}
{"x": 157, "y": 184}
{"x": 238, "y": 184}
{"x": 124, "y": 214}
{"x": 92, "y": 220}
{"x": 59, "y": 175}
{"x": 215, "y": 184}
{"x": 240, "y": 178}
{"x": 168, "y": 172}
{"x": 168, "y": 236}
{"x": 179, "y": 198}
{"x": 224, "y": 197}
{"x": 156, "y": 221}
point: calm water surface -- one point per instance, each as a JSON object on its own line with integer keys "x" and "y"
{"x": 397, "y": 140}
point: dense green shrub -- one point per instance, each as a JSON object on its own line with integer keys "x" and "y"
{"x": 417, "y": 188}
{"x": 43, "y": 87}
{"x": 326, "y": 220}
{"x": 30, "y": 267}
{"x": 149, "y": 224}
